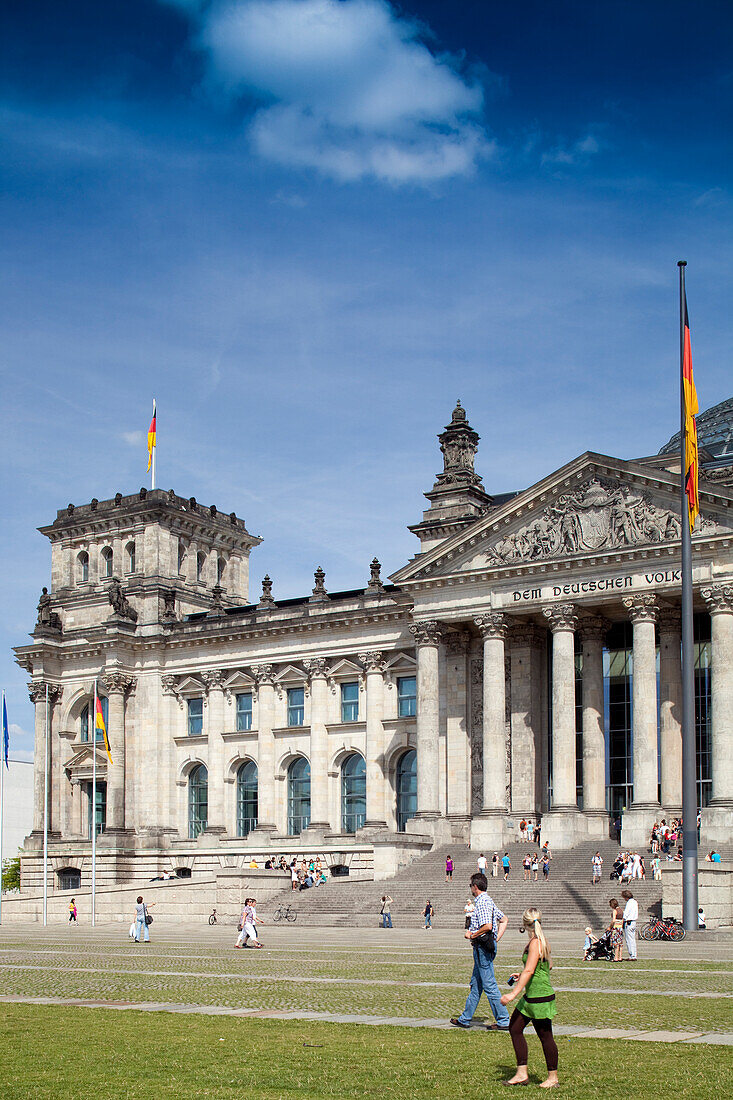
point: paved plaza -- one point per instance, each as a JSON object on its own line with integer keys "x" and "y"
{"x": 675, "y": 993}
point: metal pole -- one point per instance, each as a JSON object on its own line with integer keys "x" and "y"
{"x": 94, "y": 809}
{"x": 2, "y": 792}
{"x": 45, "y": 818}
{"x": 155, "y": 448}
{"x": 689, "y": 750}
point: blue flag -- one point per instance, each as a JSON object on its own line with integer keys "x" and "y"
{"x": 6, "y": 734}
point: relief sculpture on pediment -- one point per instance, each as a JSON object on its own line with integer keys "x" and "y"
{"x": 600, "y": 515}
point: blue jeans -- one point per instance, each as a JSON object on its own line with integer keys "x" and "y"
{"x": 483, "y": 981}
{"x": 386, "y": 920}
{"x": 141, "y": 926}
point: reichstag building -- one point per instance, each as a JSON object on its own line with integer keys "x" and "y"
{"x": 525, "y": 663}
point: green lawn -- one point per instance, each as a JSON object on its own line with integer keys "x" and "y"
{"x": 107, "y": 1055}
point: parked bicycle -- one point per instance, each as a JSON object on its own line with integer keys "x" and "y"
{"x": 659, "y": 929}
{"x": 284, "y": 912}
{"x": 212, "y": 918}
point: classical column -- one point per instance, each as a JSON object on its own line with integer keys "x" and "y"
{"x": 375, "y": 780}
{"x": 117, "y": 684}
{"x": 427, "y": 639}
{"x": 37, "y": 693}
{"x": 265, "y": 691}
{"x": 592, "y": 632}
{"x": 563, "y": 622}
{"x": 458, "y": 744}
{"x": 526, "y": 718}
{"x": 670, "y": 709}
{"x": 214, "y": 683}
{"x": 493, "y": 627}
{"x": 719, "y": 599}
{"x": 643, "y": 614}
{"x": 316, "y": 669}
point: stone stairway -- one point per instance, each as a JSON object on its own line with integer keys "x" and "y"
{"x": 567, "y": 899}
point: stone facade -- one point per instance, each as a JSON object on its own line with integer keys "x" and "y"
{"x": 469, "y": 692}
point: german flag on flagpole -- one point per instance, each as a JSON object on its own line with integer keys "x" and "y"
{"x": 691, "y": 410}
{"x": 99, "y": 725}
{"x": 151, "y": 438}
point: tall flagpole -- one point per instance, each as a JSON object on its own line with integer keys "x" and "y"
{"x": 155, "y": 448}
{"x": 94, "y": 810}
{"x": 2, "y": 792}
{"x": 689, "y": 750}
{"x": 45, "y": 817}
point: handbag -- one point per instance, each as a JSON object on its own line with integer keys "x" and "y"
{"x": 148, "y": 918}
{"x": 486, "y": 940}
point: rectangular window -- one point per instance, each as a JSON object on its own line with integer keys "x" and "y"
{"x": 350, "y": 702}
{"x": 195, "y": 717}
{"x": 296, "y": 706}
{"x": 406, "y": 696}
{"x": 244, "y": 711}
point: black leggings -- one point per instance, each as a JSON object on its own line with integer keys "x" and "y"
{"x": 543, "y": 1028}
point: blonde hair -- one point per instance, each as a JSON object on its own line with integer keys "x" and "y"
{"x": 532, "y": 919}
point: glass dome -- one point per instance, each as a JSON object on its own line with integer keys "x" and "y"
{"x": 714, "y": 434}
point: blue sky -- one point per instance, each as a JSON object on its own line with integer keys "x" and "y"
{"x": 308, "y": 226}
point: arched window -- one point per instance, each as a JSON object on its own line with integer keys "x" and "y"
{"x": 181, "y": 555}
{"x": 299, "y": 795}
{"x": 406, "y": 788}
{"x": 198, "y": 801}
{"x": 84, "y": 718}
{"x": 82, "y": 567}
{"x": 200, "y": 565}
{"x": 130, "y": 560}
{"x": 220, "y": 567}
{"x": 353, "y": 793}
{"x": 246, "y": 798}
{"x": 107, "y": 561}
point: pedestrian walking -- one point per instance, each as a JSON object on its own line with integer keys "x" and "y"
{"x": 597, "y": 865}
{"x": 536, "y": 1003}
{"x": 428, "y": 914}
{"x": 142, "y": 920}
{"x": 616, "y": 929}
{"x": 527, "y": 868}
{"x": 481, "y": 864}
{"x": 630, "y": 917}
{"x": 506, "y": 864}
{"x": 545, "y": 867}
{"x": 448, "y": 869}
{"x": 495, "y": 865}
{"x": 72, "y": 911}
{"x": 535, "y": 866}
{"x": 487, "y": 926}
{"x": 468, "y": 909}
{"x": 386, "y": 911}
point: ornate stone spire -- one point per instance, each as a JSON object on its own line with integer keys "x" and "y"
{"x": 458, "y": 495}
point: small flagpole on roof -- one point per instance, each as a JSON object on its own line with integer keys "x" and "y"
{"x": 45, "y": 816}
{"x": 3, "y": 765}
{"x": 689, "y": 507}
{"x": 152, "y": 446}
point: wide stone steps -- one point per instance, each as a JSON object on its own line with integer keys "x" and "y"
{"x": 567, "y": 899}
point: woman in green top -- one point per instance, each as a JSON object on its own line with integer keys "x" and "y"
{"x": 537, "y": 1003}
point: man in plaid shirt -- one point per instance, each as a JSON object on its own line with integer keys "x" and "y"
{"x": 486, "y": 917}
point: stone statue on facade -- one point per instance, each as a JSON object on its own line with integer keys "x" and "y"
{"x": 600, "y": 515}
{"x": 120, "y": 604}
{"x": 47, "y": 619}
{"x": 169, "y": 605}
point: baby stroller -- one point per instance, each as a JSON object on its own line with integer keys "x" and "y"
{"x": 602, "y": 948}
{"x": 618, "y": 866}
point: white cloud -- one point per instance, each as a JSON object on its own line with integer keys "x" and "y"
{"x": 350, "y": 89}
{"x": 135, "y": 439}
{"x": 571, "y": 155}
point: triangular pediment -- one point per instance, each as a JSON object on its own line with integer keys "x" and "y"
{"x": 594, "y": 507}
{"x": 83, "y": 761}
{"x": 345, "y": 668}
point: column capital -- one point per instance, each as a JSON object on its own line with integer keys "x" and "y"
{"x": 719, "y": 598}
{"x": 37, "y": 692}
{"x": 492, "y": 625}
{"x": 670, "y": 620}
{"x": 261, "y": 674}
{"x": 426, "y": 632}
{"x": 593, "y": 628}
{"x": 118, "y": 682}
{"x": 315, "y": 667}
{"x": 213, "y": 679}
{"x": 169, "y": 684}
{"x": 456, "y": 641}
{"x": 372, "y": 660}
{"x": 642, "y": 608}
{"x": 561, "y": 616}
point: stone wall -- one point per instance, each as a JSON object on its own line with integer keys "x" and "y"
{"x": 715, "y": 892}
